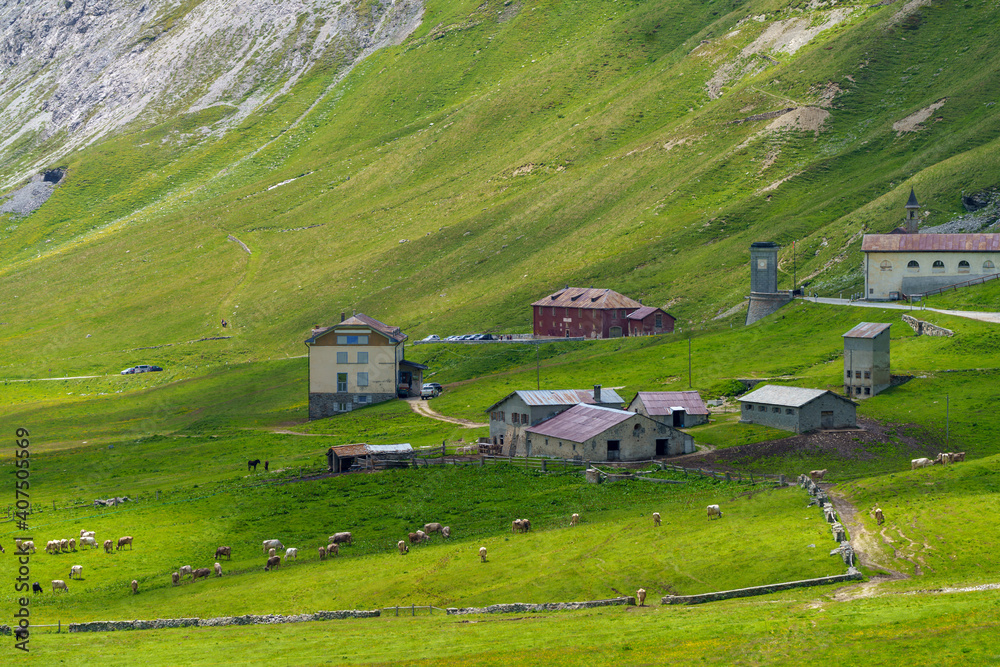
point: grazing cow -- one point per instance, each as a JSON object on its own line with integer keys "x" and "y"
{"x": 64, "y": 544}
{"x": 272, "y": 562}
{"x": 879, "y": 518}
{"x": 90, "y": 542}
{"x": 656, "y": 519}
{"x": 942, "y": 458}
{"x": 51, "y": 547}
{"x": 340, "y": 538}
{"x": 59, "y": 583}
{"x": 526, "y": 525}
{"x": 957, "y": 457}
{"x": 72, "y": 544}
{"x": 482, "y": 554}
{"x": 199, "y": 573}
{"x": 185, "y": 570}
{"x": 36, "y": 587}
{"x": 403, "y": 548}
{"x": 713, "y": 510}
{"x": 291, "y": 552}
{"x": 322, "y": 553}
{"x": 432, "y": 528}
{"x": 26, "y": 546}
{"x": 135, "y": 587}
{"x": 919, "y": 463}
{"x": 640, "y": 595}
{"x": 252, "y": 464}
{"x": 817, "y": 475}
{"x": 270, "y": 552}
{"x": 575, "y": 519}
{"x": 271, "y": 544}
{"x": 175, "y": 578}
{"x": 446, "y": 531}
{"x": 108, "y": 546}
{"x": 122, "y": 541}
{"x": 76, "y": 571}
{"x": 87, "y": 533}
{"x": 515, "y": 526}
{"x": 414, "y": 538}
{"x": 332, "y": 550}
{"x": 422, "y": 536}
{"x": 224, "y": 551}
{"x": 218, "y": 570}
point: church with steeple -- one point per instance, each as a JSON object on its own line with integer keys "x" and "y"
{"x": 905, "y": 263}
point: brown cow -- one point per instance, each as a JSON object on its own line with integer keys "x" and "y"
{"x": 200, "y": 572}
{"x": 879, "y": 518}
{"x": 135, "y": 587}
{"x": 108, "y": 546}
{"x": 122, "y": 541}
{"x": 272, "y": 562}
{"x": 656, "y": 518}
{"x": 224, "y": 551}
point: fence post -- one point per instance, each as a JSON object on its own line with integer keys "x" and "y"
{"x": 543, "y": 466}
{"x": 413, "y": 610}
{"x": 53, "y": 506}
{"x": 59, "y": 628}
{"x": 397, "y": 610}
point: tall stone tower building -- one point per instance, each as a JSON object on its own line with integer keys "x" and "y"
{"x": 764, "y": 295}
{"x": 866, "y": 360}
{"x": 911, "y": 213}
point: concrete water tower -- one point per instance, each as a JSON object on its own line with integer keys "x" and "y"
{"x": 764, "y": 295}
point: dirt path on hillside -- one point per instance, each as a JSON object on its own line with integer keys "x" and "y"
{"x": 422, "y": 408}
{"x": 866, "y": 548}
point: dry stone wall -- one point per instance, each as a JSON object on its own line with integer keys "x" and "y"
{"x": 522, "y": 608}
{"x": 248, "y": 619}
{"x": 922, "y": 328}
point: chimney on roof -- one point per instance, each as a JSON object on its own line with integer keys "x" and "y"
{"x": 597, "y": 393}
{"x": 343, "y": 316}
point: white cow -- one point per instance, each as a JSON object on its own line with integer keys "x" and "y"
{"x": 59, "y": 583}
{"x": 640, "y": 595}
{"x": 184, "y": 570}
{"x": 271, "y": 544}
{"x": 482, "y": 554}
{"x": 218, "y": 570}
{"x": 291, "y": 552}
{"x": 656, "y": 518}
{"x": 919, "y": 463}
{"x": 402, "y": 546}
{"x": 713, "y": 510}
{"x": 76, "y": 571}
{"x": 89, "y": 541}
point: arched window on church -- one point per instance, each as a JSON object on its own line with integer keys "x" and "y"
{"x": 963, "y": 267}
{"x": 886, "y": 265}
{"x": 987, "y": 265}
{"x": 913, "y": 266}
{"x": 938, "y": 266}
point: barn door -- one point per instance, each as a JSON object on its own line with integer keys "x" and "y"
{"x": 826, "y": 419}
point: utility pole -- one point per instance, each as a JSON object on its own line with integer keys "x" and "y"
{"x": 947, "y": 420}
{"x": 689, "y": 359}
{"x": 794, "y": 281}
{"x": 538, "y": 372}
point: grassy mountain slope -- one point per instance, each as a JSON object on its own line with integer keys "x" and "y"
{"x": 514, "y": 148}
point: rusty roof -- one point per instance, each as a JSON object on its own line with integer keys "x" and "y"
{"x": 645, "y": 311}
{"x": 360, "y": 319}
{"x": 587, "y": 297}
{"x": 581, "y": 422}
{"x": 931, "y": 243}
{"x": 664, "y": 402}
{"x": 357, "y": 449}
{"x": 561, "y": 397}
{"x": 867, "y": 330}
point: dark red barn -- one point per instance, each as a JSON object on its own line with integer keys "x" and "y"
{"x": 587, "y": 312}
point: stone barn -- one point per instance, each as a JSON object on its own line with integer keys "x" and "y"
{"x": 650, "y": 321}
{"x": 866, "y": 360}
{"x": 797, "y": 409}
{"x": 595, "y": 433}
{"x": 679, "y": 409}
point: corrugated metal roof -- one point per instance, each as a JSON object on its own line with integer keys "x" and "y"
{"x": 867, "y": 330}
{"x": 581, "y": 422}
{"x": 931, "y": 243}
{"x": 587, "y": 297}
{"x": 561, "y": 397}
{"x": 391, "y": 332}
{"x": 643, "y": 312}
{"x": 792, "y": 397}
{"x": 401, "y": 448}
{"x": 663, "y": 402}
{"x": 358, "y": 449}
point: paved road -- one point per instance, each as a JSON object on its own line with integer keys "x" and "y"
{"x": 982, "y": 316}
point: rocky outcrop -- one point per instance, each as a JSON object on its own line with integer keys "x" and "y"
{"x": 91, "y": 67}
{"x": 922, "y": 328}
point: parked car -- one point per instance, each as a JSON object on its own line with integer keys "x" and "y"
{"x": 455, "y": 337}
{"x": 439, "y": 388}
{"x": 433, "y": 338}
{"x": 428, "y": 391}
{"x": 142, "y": 368}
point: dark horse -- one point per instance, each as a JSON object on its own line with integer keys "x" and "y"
{"x": 253, "y": 464}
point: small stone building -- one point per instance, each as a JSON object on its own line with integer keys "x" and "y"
{"x": 595, "y": 433}
{"x": 341, "y": 458}
{"x": 764, "y": 295}
{"x": 866, "y": 359}
{"x": 797, "y": 409}
{"x": 512, "y": 414}
{"x": 679, "y": 409}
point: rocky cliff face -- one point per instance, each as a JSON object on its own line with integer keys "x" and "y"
{"x": 72, "y": 71}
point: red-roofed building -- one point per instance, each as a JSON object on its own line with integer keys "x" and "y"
{"x": 679, "y": 409}
{"x": 649, "y": 321}
{"x": 592, "y": 313}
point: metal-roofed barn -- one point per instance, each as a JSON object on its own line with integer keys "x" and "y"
{"x": 512, "y": 414}
{"x": 595, "y": 433}
{"x": 341, "y": 458}
{"x": 866, "y": 359}
{"x": 797, "y": 409}
{"x": 679, "y": 409}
